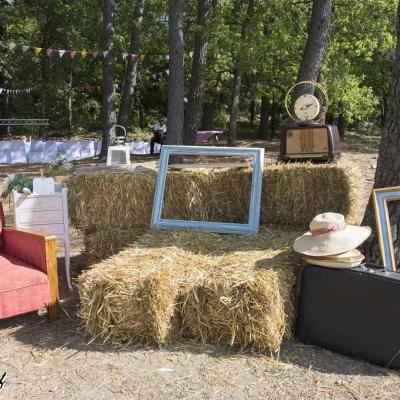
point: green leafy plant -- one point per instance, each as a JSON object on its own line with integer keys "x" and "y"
{"x": 20, "y": 183}
{"x": 59, "y": 167}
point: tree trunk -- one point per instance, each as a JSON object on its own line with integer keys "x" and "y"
{"x": 388, "y": 164}
{"x": 70, "y": 106}
{"x": 316, "y": 45}
{"x": 196, "y": 86}
{"x": 341, "y": 125}
{"x": 274, "y": 120}
{"x": 263, "y": 130}
{"x": 131, "y": 68}
{"x": 109, "y": 119}
{"x": 207, "y": 122}
{"x": 44, "y": 65}
{"x": 317, "y": 41}
{"x": 176, "y": 73}
{"x": 252, "y": 112}
{"x": 237, "y": 78}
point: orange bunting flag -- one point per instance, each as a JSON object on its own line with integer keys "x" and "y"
{"x": 37, "y": 50}
{"x": 84, "y": 53}
{"x": 142, "y": 57}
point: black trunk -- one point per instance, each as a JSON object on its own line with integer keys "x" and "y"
{"x": 237, "y": 78}
{"x": 196, "y": 86}
{"x": 274, "y": 120}
{"x": 388, "y": 164}
{"x": 176, "y": 73}
{"x": 109, "y": 119}
{"x": 131, "y": 68}
{"x": 207, "y": 121}
{"x": 252, "y": 112}
{"x": 341, "y": 125}
{"x": 264, "y": 118}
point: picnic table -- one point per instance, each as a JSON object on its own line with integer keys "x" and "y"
{"x": 207, "y": 136}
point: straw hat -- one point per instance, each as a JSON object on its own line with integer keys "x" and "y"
{"x": 329, "y": 235}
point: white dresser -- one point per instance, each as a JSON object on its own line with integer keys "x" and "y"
{"x": 46, "y": 213}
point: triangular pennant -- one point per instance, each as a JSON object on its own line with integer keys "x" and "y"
{"x": 24, "y": 48}
{"x": 142, "y": 57}
{"x": 72, "y": 54}
{"x": 134, "y": 57}
{"x": 167, "y": 56}
{"x": 11, "y": 45}
{"x": 84, "y": 53}
{"x": 167, "y": 71}
{"x": 154, "y": 76}
{"x": 1, "y": 90}
{"x": 49, "y": 51}
{"x": 116, "y": 53}
{"x": 37, "y": 50}
{"x": 61, "y": 53}
{"x": 105, "y": 53}
{"x": 95, "y": 53}
{"x": 191, "y": 54}
{"x": 124, "y": 55}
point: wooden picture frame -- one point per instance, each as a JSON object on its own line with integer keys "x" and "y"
{"x": 381, "y": 198}
{"x": 219, "y": 227}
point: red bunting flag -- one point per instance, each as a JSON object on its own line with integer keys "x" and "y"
{"x": 95, "y": 53}
{"x": 72, "y": 54}
{"x": 49, "y": 51}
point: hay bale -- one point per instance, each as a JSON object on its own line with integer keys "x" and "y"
{"x": 104, "y": 243}
{"x": 214, "y": 288}
{"x": 292, "y": 195}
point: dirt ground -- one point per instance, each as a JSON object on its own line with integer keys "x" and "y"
{"x": 55, "y": 361}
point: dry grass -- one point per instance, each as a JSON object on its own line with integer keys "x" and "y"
{"x": 292, "y": 195}
{"x": 215, "y": 288}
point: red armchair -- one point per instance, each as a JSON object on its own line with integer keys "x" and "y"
{"x": 28, "y": 272}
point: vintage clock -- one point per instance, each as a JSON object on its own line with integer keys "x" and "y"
{"x": 308, "y": 139}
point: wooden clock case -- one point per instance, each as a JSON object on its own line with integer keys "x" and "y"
{"x": 310, "y": 141}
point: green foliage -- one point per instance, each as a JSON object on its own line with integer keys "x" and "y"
{"x": 59, "y": 167}
{"x": 355, "y": 70}
{"x": 18, "y": 183}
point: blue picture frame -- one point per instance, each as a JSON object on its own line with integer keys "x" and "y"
{"x": 219, "y": 227}
{"x": 381, "y": 198}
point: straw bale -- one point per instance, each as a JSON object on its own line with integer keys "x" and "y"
{"x": 292, "y": 195}
{"x": 215, "y": 288}
{"x": 102, "y": 244}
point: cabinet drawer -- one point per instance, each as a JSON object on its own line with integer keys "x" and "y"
{"x": 55, "y": 229}
{"x": 39, "y": 203}
{"x": 29, "y": 217}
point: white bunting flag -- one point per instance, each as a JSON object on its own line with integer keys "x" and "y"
{"x": 61, "y": 53}
{"x": 167, "y": 71}
{"x": 124, "y": 55}
{"x": 24, "y": 48}
{"x": 1, "y": 90}
{"x": 105, "y": 54}
{"x": 11, "y": 45}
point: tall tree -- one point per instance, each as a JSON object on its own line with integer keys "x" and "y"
{"x": 176, "y": 73}
{"x": 108, "y": 98}
{"x": 317, "y": 41}
{"x": 196, "y": 85}
{"x": 263, "y": 129}
{"x": 130, "y": 75}
{"x": 388, "y": 165}
{"x": 237, "y": 77}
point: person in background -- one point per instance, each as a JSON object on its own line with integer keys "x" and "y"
{"x": 159, "y": 133}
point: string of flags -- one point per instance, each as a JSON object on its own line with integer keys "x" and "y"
{"x": 16, "y": 92}
{"x": 84, "y": 54}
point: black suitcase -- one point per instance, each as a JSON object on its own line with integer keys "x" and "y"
{"x": 354, "y": 311}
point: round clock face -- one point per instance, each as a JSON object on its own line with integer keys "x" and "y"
{"x": 306, "y": 107}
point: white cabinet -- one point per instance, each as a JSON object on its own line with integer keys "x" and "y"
{"x": 46, "y": 213}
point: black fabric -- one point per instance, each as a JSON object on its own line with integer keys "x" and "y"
{"x": 355, "y": 312}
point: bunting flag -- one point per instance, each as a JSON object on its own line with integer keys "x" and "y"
{"x": 85, "y": 53}
{"x": 15, "y": 92}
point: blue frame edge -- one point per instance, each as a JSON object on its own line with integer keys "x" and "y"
{"x": 219, "y": 227}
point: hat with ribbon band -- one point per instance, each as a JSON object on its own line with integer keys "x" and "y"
{"x": 330, "y": 235}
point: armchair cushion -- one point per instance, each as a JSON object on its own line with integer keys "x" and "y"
{"x": 23, "y": 287}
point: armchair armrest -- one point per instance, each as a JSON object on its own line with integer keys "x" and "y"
{"x": 37, "y": 249}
